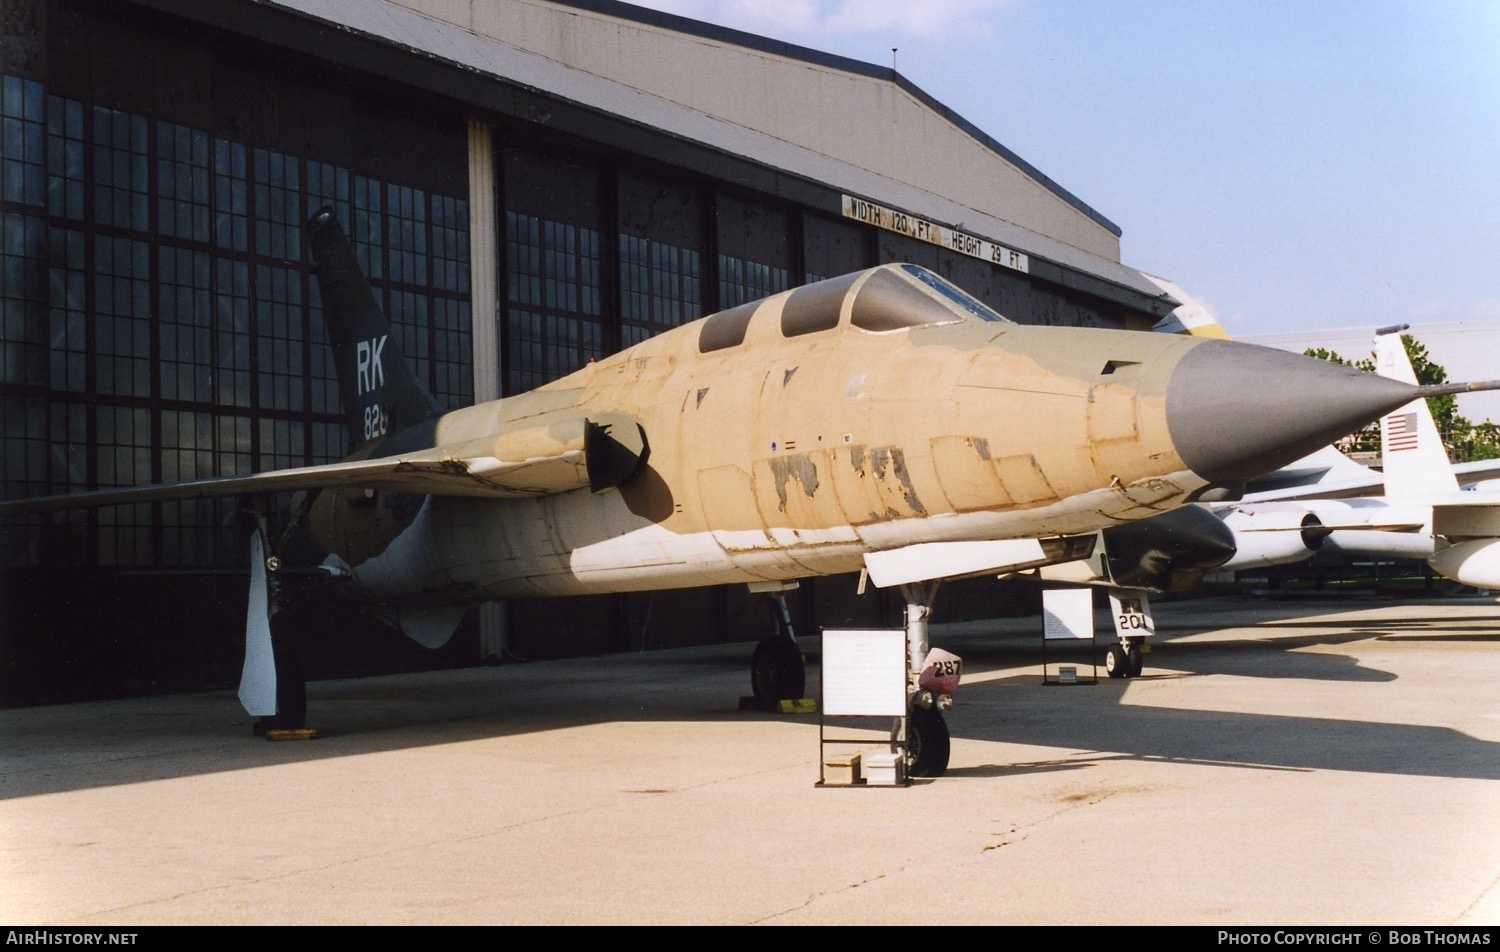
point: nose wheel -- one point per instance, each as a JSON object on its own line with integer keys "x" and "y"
{"x": 1123, "y": 661}
{"x": 927, "y": 743}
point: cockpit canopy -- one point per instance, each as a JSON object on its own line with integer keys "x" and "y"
{"x": 892, "y": 297}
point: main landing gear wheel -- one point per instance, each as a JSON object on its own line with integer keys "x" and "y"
{"x": 927, "y": 743}
{"x": 1136, "y": 661}
{"x": 291, "y": 686}
{"x": 777, "y": 672}
{"x": 1116, "y": 662}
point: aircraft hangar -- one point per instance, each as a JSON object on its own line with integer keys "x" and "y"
{"x": 530, "y": 185}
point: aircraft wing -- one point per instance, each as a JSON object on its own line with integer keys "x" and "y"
{"x": 927, "y": 561}
{"x": 1309, "y": 478}
{"x": 594, "y": 456}
{"x": 1477, "y": 471}
{"x": 1326, "y": 474}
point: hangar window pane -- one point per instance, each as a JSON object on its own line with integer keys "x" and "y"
{"x": 408, "y": 314}
{"x": 185, "y": 325}
{"x": 22, "y": 148}
{"x": 329, "y": 442}
{"x": 31, "y": 459}
{"x": 233, "y": 446}
{"x": 65, "y": 157}
{"x": 278, "y": 206}
{"x": 571, "y": 343}
{"x": 743, "y": 281}
{"x": 453, "y": 379}
{"x": 755, "y": 252}
{"x": 122, "y": 305}
{"x": 182, "y": 182}
{"x": 232, "y": 333}
{"x": 23, "y": 314}
{"x": 65, "y": 539}
{"x": 660, "y": 285}
{"x": 124, "y": 534}
{"x": 406, "y": 234}
{"x": 323, "y": 376}
{"x": 189, "y": 529}
{"x": 635, "y": 279}
{"x": 327, "y": 185}
{"x": 280, "y": 341}
{"x": 124, "y": 459}
{"x": 231, "y": 196}
{"x": 121, "y": 186}
{"x": 23, "y": 426}
{"x": 282, "y": 444}
{"x": 524, "y": 350}
{"x": 368, "y": 228}
{"x": 571, "y": 265}
{"x": 544, "y": 347}
{"x": 523, "y": 251}
{"x": 67, "y": 317}
{"x": 450, "y": 244}
{"x": 661, "y": 265}
{"x": 554, "y": 269}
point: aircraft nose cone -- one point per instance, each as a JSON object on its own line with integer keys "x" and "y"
{"x": 1236, "y": 411}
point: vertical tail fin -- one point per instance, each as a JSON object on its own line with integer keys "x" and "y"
{"x": 1411, "y": 450}
{"x": 379, "y": 392}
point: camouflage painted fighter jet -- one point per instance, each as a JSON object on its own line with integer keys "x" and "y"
{"x": 883, "y": 422}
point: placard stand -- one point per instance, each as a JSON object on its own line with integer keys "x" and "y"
{"x": 1068, "y": 616}
{"x": 863, "y": 676}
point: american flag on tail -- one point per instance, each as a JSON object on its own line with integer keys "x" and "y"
{"x": 1400, "y": 432}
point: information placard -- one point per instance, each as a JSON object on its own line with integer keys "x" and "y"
{"x": 1067, "y": 613}
{"x": 864, "y": 672}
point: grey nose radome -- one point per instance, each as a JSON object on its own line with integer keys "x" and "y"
{"x": 1236, "y": 411}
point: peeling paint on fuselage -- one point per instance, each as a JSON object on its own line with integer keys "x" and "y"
{"x": 797, "y": 467}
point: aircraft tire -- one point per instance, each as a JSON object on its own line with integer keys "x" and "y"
{"x": 1116, "y": 663}
{"x": 291, "y": 686}
{"x": 1137, "y": 661}
{"x": 777, "y": 672}
{"x": 927, "y": 743}
{"x": 291, "y": 698}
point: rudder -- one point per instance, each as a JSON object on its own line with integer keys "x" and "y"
{"x": 380, "y": 394}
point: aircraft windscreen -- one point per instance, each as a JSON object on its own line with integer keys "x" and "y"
{"x": 953, "y": 293}
{"x": 887, "y": 303}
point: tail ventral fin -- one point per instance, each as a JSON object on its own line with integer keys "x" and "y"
{"x": 380, "y": 393}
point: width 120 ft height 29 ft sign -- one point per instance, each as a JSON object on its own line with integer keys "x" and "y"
{"x": 931, "y": 232}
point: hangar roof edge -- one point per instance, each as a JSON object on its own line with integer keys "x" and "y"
{"x": 765, "y": 44}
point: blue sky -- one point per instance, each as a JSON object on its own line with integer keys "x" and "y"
{"x": 1294, "y": 165}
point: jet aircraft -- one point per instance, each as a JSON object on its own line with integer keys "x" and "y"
{"x": 882, "y": 422}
